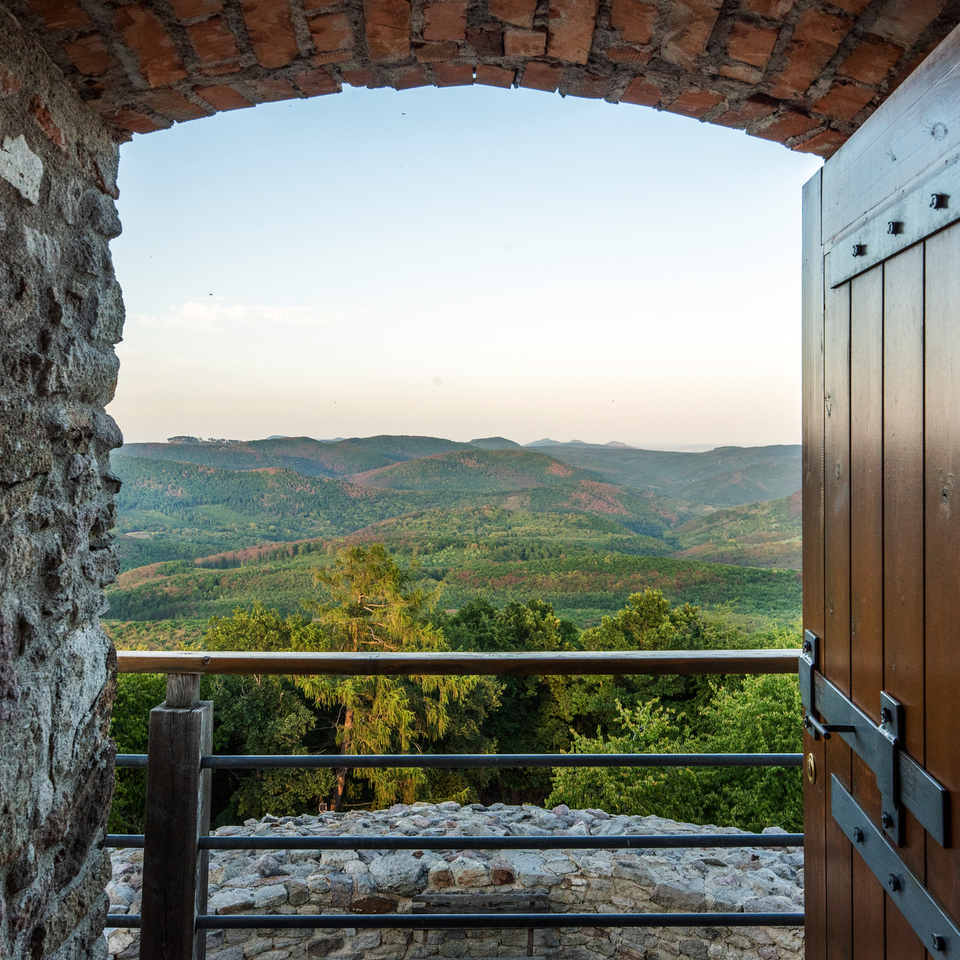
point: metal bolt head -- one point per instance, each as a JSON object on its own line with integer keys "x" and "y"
{"x": 859, "y": 249}
{"x": 857, "y": 835}
{"x": 937, "y": 943}
{"x": 886, "y": 819}
{"x": 939, "y": 201}
{"x": 885, "y": 715}
{"x": 893, "y": 883}
{"x": 895, "y": 227}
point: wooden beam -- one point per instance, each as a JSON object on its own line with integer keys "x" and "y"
{"x": 604, "y": 663}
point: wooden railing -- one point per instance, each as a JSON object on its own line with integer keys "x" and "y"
{"x": 180, "y": 760}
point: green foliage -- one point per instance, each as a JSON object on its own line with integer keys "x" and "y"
{"x": 137, "y": 695}
{"x": 374, "y": 608}
{"x": 757, "y": 715}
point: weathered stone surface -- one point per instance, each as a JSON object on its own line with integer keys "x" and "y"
{"x": 605, "y": 881}
{"x": 57, "y": 370}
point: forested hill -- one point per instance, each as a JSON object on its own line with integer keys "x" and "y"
{"x": 724, "y": 477}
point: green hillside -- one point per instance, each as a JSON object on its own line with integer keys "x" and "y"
{"x": 727, "y": 476}
{"x": 475, "y": 470}
{"x": 756, "y": 534}
{"x": 581, "y": 585}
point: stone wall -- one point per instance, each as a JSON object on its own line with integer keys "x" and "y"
{"x": 60, "y": 314}
{"x": 737, "y": 880}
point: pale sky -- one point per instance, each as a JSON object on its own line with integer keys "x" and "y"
{"x": 462, "y": 263}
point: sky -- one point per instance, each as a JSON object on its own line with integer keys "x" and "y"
{"x": 466, "y": 262}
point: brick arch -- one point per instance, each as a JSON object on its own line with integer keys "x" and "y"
{"x": 804, "y": 73}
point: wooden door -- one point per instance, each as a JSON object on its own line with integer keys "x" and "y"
{"x": 881, "y": 495}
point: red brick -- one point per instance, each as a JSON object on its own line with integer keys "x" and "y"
{"x": 173, "y": 105}
{"x": 487, "y": 41}
{"x": 903, "y": 21}
{"x": 492, "y": 76}
{"x": 689, "y": 24}
{"x": 538, "y": 75}
{"x": 445, "y": 21}
{"x": 824, "y": 144}
{"x": 524, "y": 43}
{"x": 147, "y": 37}
{"x": 520, "y": 13}
{"x": 272, "y": 89}
{"x": 750, "y": 111}
{"x": 844, "y": 100}
{"x": 60, "y": 14}
{"x": 223, "y": 97}
{"x": 634, "y": 20}
{"x": 453, "y": 74}
{"x": 815, "y": 40}
{"x": 787, "y": 125}
{"x": 642, "y": 92}
{"x": 587, "y": 85}
{"x": 332, "y": 56}
{"x": 775, "y": 9}
{"x": 316, "y": 83}
{"x": 742, "y": 72}
{"x": 629, "y": 55}
{"x": 10, "y": 84}
{"x": 213, "y": 40}
{"x": 89, "y": 54}
{"x": 440, "y": 50}
{"x": 358, "y": 78}
{"x": 41, "y": 113}
{"x": 408, "y": 77}
{"x": 270, "y": 29}
{"x": 751, "y": 44}
{"x": 132, "y": 120}
{"x": 189, "y": 9}
{"x": 870, "y": 60}
{"x": 571, "y": 25}
{"x": 388, "y": 29}
{"x": 331, "y": 31}
{"x": 695, "y": 103}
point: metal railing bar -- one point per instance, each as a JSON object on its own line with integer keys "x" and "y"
{"x": 131, "y": 760}
{"x": 633, "y": 842}
{"x": 120, "y": 840}
{"x": 501, "y": 760}
{"x": 601, "y": 663}
{"x": 118, "y": 921}
{"x": 500, "y": 921}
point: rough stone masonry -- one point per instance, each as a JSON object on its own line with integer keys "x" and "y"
{"x": 61, "y": 313}
{"x": 603, "y": 881}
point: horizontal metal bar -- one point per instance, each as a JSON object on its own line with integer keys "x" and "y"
{"x": 931, "y": 923}
{"x": 469, "y": 760}
{"x": 602, "y": 663}
{"x": 120, "y": 840}
{"x": 119, "y": 921}
{"x": 632, "y": 842}
{"x": 500, "y": 921}
{"x": 128, "y": 760}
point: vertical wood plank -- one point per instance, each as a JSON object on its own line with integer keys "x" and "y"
{"x": 178, "y": 812}
{"x": 814, "y": 795}
{"x": 903, "y": 452}
{"x": 836, "y": 643}
{"x": 866, "y": 575}
{"x": 942, "y": 562}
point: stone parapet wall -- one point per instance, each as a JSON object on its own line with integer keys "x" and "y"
{"x": 60, "y": 315}
{"x": 740, "y": 880}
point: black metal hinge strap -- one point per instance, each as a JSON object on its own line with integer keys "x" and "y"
{"x": 900, "y": 779}
{"x": 935, "y": 928}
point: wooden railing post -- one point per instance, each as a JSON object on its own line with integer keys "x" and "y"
{"x": 178, "y": 813}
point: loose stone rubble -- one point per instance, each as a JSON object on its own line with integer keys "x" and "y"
{"x": 378, "y": 882}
